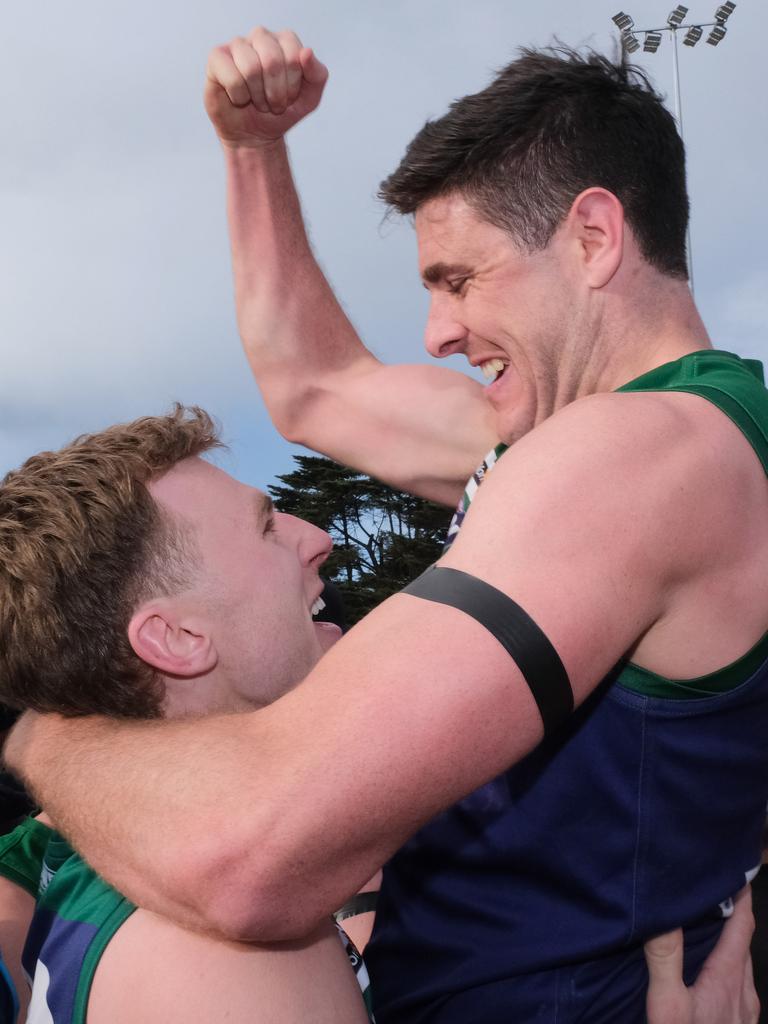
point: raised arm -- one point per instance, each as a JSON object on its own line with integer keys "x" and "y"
{"x": 420, "y": 428}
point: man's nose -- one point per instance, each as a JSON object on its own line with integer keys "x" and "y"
{"x": 313, "y": 544}
{"x": 444, "y": 335}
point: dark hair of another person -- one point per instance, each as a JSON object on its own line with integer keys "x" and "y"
{"x": 553, "y": 123}
{"x": 82, "y": 542}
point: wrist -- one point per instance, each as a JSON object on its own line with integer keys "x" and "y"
{"x": 252, "y": 147}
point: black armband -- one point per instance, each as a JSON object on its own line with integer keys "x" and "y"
{"x": 515, "y": 630}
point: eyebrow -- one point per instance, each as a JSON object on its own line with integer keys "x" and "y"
{"x": 265, "y": 508}
{"x": 437, "y": 272}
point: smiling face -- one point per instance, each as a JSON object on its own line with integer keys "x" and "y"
{"x": 504, "y": 309}
{"x": 256, "y": 585}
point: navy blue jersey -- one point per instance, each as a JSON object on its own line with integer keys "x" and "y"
{"x": 531, "y": 898}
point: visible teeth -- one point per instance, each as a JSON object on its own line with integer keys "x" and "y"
{"x": 492, "y": 367}
{"x": 318, "y": 606}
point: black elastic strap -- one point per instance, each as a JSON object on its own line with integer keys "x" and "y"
{"x": 515, "y": 630}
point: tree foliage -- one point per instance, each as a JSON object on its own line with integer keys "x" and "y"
{"x": 383, "y": 538}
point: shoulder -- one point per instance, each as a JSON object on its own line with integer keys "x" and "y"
{"x": 637, "y": 454}
{"x": 153, "y": 970}
{"x": 602, "y": 515}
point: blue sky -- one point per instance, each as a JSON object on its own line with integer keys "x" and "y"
{"x": 115, "y": 291}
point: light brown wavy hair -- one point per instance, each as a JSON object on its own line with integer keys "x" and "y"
{"x": 82, "y": 542}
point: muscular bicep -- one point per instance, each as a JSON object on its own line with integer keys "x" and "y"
{"x": 422, "y": 429}
{"x": 154, "y": 972}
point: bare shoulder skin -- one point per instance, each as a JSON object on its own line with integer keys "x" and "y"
{"x": 154, "y": 971}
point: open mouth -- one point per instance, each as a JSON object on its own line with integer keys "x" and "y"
{"x": 317, "y": 607}
{"x": 493, "y": 369}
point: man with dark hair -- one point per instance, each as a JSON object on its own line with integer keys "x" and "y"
{"x": 552, "y": 124}
{"x": 126, "y": 549}
{"x": 586, "y": 668}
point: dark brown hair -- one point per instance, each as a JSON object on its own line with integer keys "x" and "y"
{"x": 551, "y": 124}
{"x": 81, "y": 543}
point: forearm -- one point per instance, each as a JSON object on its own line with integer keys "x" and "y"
{"x": 186, "y": 818}
{"x": 125, "y": 794}
{"x": 295, "y": 334}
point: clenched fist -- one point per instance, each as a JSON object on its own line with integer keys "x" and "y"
{"x": 260, "y": 86}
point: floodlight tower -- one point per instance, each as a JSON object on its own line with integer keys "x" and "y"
{"x": 695, "y": 29}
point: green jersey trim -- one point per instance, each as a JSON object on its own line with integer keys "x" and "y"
{"x": 730, "y": 384}
{"x": 22, "y": 852}
{"x": 736, "y": 387}
{"x": 642, "y": 680}
{"x": 79, "y": 894}
{"x": 114, "y": 920}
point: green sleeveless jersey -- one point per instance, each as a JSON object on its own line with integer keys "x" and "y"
{"x": 735, "y": 386}
{"x": 76, "y": 915}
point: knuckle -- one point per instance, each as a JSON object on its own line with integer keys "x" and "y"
{"x": 288, "y": 37}
{"x": 249, "y": 65}
{"x": 272, "y": 67}
{"x": 260, "y": 34}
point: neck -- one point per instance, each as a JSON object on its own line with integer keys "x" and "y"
{"x": 630, "y": 336}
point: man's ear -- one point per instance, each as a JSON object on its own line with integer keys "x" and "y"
{"x": 171, "y": 642}
{"x": 596, "y": 224}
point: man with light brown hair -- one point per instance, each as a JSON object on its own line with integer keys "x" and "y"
{"x": 139, "y": 581}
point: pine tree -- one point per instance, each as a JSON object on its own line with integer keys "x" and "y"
{"x": 383, "y": 538}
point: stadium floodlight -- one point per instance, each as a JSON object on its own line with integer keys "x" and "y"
{"x": 716, "y": 35}
{"x": 622, "y": 21}
{"x": 677, "y": 16}
{"x": 631, "y": 37}
{"x": 693, "y": 35}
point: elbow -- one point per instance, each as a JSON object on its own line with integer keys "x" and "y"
{"x": 291, "y": 410}
{"x": 244, "y": 894}
{"x": 294, "y": 397}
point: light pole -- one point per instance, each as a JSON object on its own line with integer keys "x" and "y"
{"x": 653, "y": 36}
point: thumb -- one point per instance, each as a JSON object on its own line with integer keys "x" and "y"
{"x": 315, "y": 72}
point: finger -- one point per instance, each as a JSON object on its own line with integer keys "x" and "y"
{"x": 732, "y": 949}
{"x": 315, "y": 76}
{"x": 273, "y": 66}
{"x": 221, "y": 73}
{"x": 248, "y": 64}
{"x": 750, "y": 1004}
{"x": 315, "y": 72}
{"x": 667, "y": 995}
{"x": 291, "y": 47}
